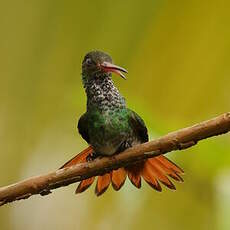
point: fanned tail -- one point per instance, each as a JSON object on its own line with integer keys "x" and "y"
{"x": 153, "y": 171}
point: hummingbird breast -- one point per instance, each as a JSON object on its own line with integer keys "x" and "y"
{"x": 108, "y": 130}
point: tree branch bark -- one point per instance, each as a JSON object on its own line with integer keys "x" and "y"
{"x": 178, "y": 140}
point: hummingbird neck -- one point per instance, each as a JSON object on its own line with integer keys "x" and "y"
{"x": 102, "y": 94}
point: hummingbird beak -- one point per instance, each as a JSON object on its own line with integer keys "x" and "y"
{"x": 109, "y": 67}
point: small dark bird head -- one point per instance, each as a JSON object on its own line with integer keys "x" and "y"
{"x": 99, "y": 64}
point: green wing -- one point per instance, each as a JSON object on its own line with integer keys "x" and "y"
{"x": 83, "y": 127}
{"x": 138, "y": 126}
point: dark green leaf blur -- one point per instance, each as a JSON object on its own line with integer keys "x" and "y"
{"x": 177, "y": 54}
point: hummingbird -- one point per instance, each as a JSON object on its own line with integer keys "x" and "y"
{"x": 109, "y": 127}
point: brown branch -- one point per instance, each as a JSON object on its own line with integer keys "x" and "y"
{"x": 177, "y": 140}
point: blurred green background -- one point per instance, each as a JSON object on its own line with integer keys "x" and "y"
{"x": 177, "y": 54}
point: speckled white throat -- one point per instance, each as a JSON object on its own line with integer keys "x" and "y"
{"x": 102, "y": 93}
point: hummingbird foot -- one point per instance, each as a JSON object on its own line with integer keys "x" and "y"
{"x": 124, "y": 145}
{"x": 92, "y": 157}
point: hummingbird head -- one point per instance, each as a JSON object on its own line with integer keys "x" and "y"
{"x": 99, "y": 64}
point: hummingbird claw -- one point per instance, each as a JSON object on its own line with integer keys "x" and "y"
{"x": 91, "y": 157}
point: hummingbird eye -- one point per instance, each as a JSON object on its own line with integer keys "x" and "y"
{"x": 89, "y": 61}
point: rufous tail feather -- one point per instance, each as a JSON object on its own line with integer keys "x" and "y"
{"x": 103, "y": 183}
{"x": 118, "y": 178}
{"x": 153, "y": 171}
{"x": 79, "y": 158}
